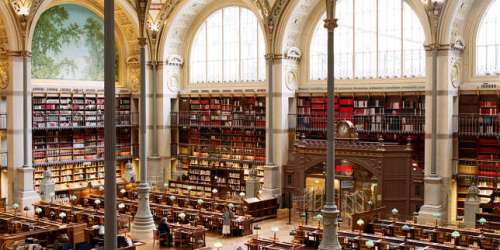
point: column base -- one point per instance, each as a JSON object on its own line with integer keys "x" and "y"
{"x": 25, "y": 195}
{"x": 471, "y": 208}
{"x": 330, "y": 239}
{"x": 156, "y": 175}
{"x": 432, "y": 211}
{"x": 431, "y": 215}
{"x": 271, "y": 188}
{"x": 251, "y": 187}
{"x": 143, "y": 225}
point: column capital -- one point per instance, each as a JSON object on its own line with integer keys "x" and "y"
{"x": 142, "y": 41}
{"x": 330, "y": 23}
{"x": 19, "y": 53}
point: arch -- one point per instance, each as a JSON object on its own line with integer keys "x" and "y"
{"x": 302, "y": 16}
{"x": 10, "y": 27}
{"x": 126, "y": 31}
{"x": 368, "y": 45}
{"x": 479, "y": 37}
{"x": 237, "y": 65}
{"x": 461, "y": 23}
{"x": 182, "y": 26}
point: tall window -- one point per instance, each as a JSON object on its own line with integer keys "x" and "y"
{"x": 374, "y": 39}
{"x": 228, "y": 47}
{"x": 488, "y": 42}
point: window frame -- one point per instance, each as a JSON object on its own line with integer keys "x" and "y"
{"x": 260, "y": 32}
{"x": 402, "y": 77}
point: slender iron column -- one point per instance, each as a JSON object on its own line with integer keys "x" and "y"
{"x": 109, "y": 128}
{"x": 143, "y": 220}
{"x": 434, "y": 111}
{"x": 26, "y": 115}
{"x": 154, "y": 108}
{"x": 330, "y": 212}
{"x": 270, "y": 126}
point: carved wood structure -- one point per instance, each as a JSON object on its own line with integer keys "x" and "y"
{"x": 389, "y": 163}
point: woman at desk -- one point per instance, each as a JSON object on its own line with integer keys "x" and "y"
{"x": 227, "y": 217}
{"x": 164, "y": 232}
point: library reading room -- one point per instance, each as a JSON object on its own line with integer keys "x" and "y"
{"x": 249, "y": 124}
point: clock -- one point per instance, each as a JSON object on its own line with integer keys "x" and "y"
{"x": 346, "y": 130}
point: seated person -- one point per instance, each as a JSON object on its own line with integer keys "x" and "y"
{"x": 164, "y": 232}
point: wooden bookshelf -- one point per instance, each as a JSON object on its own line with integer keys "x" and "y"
{"x": 68, "y": 136}
{"x": 394, "y": 117}
{"x": 478, "y": 149}
{"x": 220, "y": 139}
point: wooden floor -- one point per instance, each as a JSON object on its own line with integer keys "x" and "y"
{"x": 233, "y": 243}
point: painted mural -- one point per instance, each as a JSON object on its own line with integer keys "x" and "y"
{"x": 68, "y": 44}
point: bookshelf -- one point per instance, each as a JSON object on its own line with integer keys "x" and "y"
{"x": 68, "y": 136}
{"x": 219, "y": 140}
{"x": 479, "y": 149}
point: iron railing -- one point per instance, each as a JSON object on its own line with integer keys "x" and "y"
{"x": 379, "y": 123}
{"x": 57, "y": 120}
{"x": 477, "y": 125}
{"x": 218, "y": 119}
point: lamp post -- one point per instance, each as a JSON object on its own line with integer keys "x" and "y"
{"x": 330, "y": 212}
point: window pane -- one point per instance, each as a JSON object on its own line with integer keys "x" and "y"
{"x": 488, "y": 42}
{"x": 228, "y": 47}
{"x": 198, "y": 56}
{"x": 389, "y": 38}
{"x": 413, "y": 44}
{"x": 318, "y": 52}
{"x": 231, "y": 43}
{"x": 366, "y": 35}
{"x": 343, "y": 44}
{"x": 249, "y": 51}
{"x": 214, "y": 54}
{"x": 399, "y": 43}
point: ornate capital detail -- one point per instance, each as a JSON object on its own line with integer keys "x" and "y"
{"x": 293, "y": 53}
{"x": 330, "y": 24}
{"x": 19, "y": 53}
{"x": 175, "y": 60}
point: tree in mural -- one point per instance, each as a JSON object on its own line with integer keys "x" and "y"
{"x": 51, "y": 34}
{"x": 95, "y": 42}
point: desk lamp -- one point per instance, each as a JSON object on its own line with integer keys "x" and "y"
{"x": 395, "y": 213}
{"x": 369, "y": 243}
{"x": 15, "y": 206}
{"x": 455, "y": 234}
{"x": 360, "y": 222}
{"x": 256, "y": 228}
{"x": 218, "y": 245}
{"x": 275, "y": 230}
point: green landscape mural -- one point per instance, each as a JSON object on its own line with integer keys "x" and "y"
{"x": 68, "y": 44}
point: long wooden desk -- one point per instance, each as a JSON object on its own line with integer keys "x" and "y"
{"x": 270, "y": 244}
{"x": 17, "y": 228}
{"x": 438, "y": 234}
{"x": 212, "y": 220}
{"x": 80, "y": 214}
{"x": 311, "y": 236}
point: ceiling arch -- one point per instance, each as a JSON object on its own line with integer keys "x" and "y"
{"x": 125, "y": 17}
{"x": 184, "y": 19}
{"x": 301, "y": 17}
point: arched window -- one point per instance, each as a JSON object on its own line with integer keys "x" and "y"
{"x": 488, "y": 42}
{"x": 228, "y": 47}
{"x": 384, "y": 41}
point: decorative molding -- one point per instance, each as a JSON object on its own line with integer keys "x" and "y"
{"x": 174, "y": 60}
{"x": 293, "y": 53}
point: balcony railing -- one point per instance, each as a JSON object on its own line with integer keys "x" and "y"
{"x": 477, "y": 125}
{"x": 68, "y": 121}
{"x": 217, "y": 119}
{"x": 379, "y": 123}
